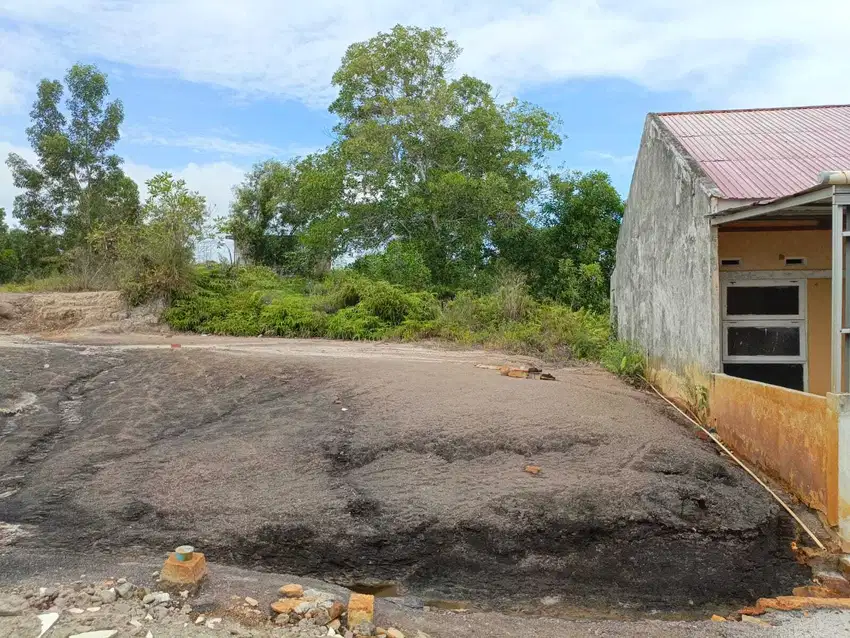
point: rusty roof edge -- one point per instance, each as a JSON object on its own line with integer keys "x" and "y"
{"x": 751, "y": 110}
{"x": 705, "y": 183}
{"x": 765, "y": 202}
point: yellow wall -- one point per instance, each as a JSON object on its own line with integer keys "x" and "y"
{"x": 761, "y": 250}
{"x": 766, "y": 250}
{"x": 819, "y": 326}
{"x": 791, "y": 435}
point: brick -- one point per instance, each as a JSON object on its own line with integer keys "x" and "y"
{"x": 361, "y": 608}
{"x": 292, "y": 591}
{"x": 833, "y": 581}
{"x": 190, "y": 572}
{"x": 286, "y": 605}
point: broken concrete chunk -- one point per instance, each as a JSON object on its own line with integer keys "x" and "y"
{"x": 361, "y": 609}
{"x": 103, "y": 633}
{"x": 47, "y": 621}
{"x": 252, "y": 602}
{"x": 125, "y": 589}
{"x": 107, "y": 596}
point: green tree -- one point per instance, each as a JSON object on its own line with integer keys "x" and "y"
{"x": 274, "y": 205}
{"x": 434, "y": 162}
{"x": 77, "y": 184}
{"x": 156, "y": 256}
{"x": 567, "y": 249}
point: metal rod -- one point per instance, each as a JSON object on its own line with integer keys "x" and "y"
{"x": 746, "y": 469}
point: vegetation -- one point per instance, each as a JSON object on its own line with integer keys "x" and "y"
{"x": 432, "y": 190}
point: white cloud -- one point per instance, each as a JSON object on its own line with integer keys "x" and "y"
{"x": 727, "y": 52}
{"x": 612, "y": 158}
{"x": 7, "y": 188}
{"x": 214, "y": 180}
{"x": 201, "y": 143}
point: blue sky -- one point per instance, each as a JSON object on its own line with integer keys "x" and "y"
{"x": 212, "y": 86}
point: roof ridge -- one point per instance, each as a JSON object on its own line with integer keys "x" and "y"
{"x": 752, "y": 110}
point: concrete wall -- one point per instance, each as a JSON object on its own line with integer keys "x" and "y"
{"x": 665, "y": 287}
{"x": 793, "y": 436}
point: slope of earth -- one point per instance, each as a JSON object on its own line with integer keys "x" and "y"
{"x": 402, "y": 468}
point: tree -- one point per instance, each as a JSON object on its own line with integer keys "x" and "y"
{"x": 156, "y": 256}
{"x": 431, "y": 161}
{"x": 567, "y": 248}
{"x": 77, "y": 184}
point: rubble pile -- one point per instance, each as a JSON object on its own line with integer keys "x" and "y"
{"x": 121, "y": 608}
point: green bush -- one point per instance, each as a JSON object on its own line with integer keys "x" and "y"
{"x": 400, "y": 264}
{"x": 347, "y": 305}
{"x": 624, "y": 359}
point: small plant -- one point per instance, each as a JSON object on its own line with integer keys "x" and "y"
{"x": 624, "y": 359}
{"x": 695, "y": 396}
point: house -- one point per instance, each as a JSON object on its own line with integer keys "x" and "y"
{"x": 732, "y": 275}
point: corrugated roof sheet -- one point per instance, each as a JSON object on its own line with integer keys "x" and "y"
{"x": 765, "y": 153}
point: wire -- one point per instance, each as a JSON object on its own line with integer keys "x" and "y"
{"x": 746, "y": 469}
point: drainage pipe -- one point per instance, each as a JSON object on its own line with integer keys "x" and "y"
{"x": 746, "y": 469}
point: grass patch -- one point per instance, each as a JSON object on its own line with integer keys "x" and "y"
{"x": 348, "y": 305}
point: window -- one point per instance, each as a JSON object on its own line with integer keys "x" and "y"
{"x": 764, "y": 331}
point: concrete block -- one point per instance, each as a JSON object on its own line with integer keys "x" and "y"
{"x": 186, "y": 573}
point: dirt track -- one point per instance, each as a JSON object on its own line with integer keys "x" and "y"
{"x": 357, "y": 461}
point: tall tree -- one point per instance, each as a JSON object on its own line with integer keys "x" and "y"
{"x": 275, "y": 203}
{"x": 566, "y": 250}
{"x": 429, "y": 160}
{"x": 77, "y": 183}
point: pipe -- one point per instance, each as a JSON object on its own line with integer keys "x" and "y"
{"x": 834, "y": 177}
{"x": 746, "y": 469}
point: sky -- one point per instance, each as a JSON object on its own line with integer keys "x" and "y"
{"x": 212, "y": 86}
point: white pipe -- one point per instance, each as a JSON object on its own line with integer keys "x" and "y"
{"x": 746, "y": 469}
{"x": 834, "y": 177}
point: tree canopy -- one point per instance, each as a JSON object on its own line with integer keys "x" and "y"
{"x": 77, "y": 183}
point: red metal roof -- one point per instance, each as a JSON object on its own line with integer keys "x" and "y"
{"x": 765, "y": 153}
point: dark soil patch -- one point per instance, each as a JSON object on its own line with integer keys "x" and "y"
{"x": 419, "y": 480}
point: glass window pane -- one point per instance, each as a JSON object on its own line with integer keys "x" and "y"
{"x": 763, "y": 300}
{"x": 787, "y": 375}
{"x": 764, "y": 341}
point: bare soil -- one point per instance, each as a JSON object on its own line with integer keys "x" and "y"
{"x": 374, "y": 462}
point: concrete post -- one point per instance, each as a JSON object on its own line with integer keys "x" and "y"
{"x": 840, "y": 403}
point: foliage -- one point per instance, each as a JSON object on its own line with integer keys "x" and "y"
{"x": 25, "y": 255}
{"x": 77, "y": 183}
{"x": 624, "y": 359}
{"x": 400, "y": 264}
{"x": 696, "y": 399}
{"x": 567, "y": 250}
{"x": 347, "y": 305}
{"x": 154, "y": 259}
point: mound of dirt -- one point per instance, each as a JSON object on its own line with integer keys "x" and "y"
{"x": 55, "y": 312}
{"x": 358, "y": 469}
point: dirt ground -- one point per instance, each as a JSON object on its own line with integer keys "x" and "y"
{"x": 367, "y": 463}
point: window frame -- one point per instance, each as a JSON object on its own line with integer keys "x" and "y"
{"x": 766, "y": 358}
{"x": 765, "y": 283}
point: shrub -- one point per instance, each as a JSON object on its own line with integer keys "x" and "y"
{"x": 400, "y": 264}
{"x": 624, "y": 359}
{"x": 357, "y": 324}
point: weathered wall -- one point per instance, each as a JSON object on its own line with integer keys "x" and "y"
{"x": 665, "y": 290}
{"x": 791, "y": 435}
